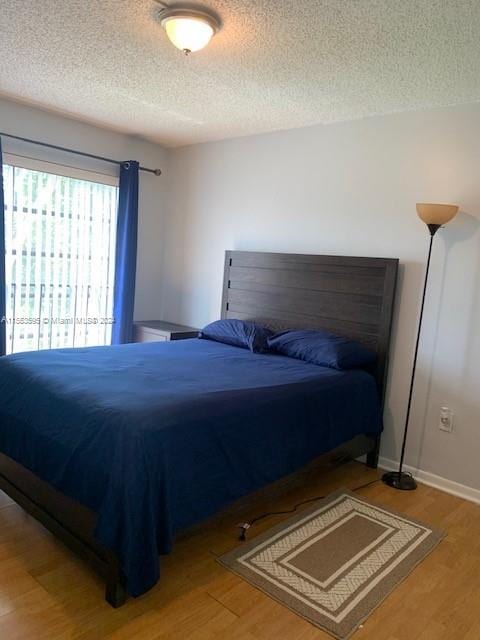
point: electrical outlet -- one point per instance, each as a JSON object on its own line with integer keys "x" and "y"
{"x": 446, "y": 420}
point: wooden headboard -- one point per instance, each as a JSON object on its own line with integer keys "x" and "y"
{"x": 352, "y": 297}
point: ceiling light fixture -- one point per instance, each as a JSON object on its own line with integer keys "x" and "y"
{"x": 188, "y": 29}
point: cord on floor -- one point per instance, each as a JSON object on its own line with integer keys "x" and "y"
{"x": 244, "y": 526}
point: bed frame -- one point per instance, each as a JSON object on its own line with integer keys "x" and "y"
{"x": 349, "y": 296}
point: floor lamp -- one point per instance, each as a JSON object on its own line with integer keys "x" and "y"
{"x": 434, "y": 216}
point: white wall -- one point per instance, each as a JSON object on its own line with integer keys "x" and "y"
{"x": 36, "y": 124}
{"x": 351, "y": 189}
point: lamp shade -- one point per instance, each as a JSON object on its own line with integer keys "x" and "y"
{"x": 188, "y": 33}
{"x": 436, "y": 213}
{"x": 189, "y": 29}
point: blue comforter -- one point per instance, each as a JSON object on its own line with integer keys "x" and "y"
{"x": 155, "y": 437}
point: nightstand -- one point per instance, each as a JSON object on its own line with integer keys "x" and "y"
{"x": 159, "y": 330}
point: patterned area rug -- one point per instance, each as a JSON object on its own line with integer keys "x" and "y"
{"x": 333, "y": 564}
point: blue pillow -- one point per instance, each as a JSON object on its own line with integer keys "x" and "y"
{"x": 238, "y": 333}
{"x": 320, "y": 347}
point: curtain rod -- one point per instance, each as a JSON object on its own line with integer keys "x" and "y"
{"x": 156, "y": 172}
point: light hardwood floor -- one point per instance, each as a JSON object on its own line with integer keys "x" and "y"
{"x": 46, "y": 593}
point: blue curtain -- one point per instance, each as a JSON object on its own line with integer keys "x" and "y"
{"x": 3, "y": 326}
{"x": 126, "y": 253}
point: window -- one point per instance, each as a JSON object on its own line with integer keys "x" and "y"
{"x": 60, "y": 228}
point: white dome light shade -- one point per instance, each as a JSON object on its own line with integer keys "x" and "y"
{"x": 187, "y": 30}
{"x": 188, "y": 34}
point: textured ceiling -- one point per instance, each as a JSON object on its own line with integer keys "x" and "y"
{"x": 276, "y": 64}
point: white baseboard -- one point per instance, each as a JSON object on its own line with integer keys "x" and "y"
{"x": 432, "y": 480}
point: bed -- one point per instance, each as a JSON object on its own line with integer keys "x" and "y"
{"x": 117, "y": 449}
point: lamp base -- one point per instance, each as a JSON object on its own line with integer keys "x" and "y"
{"x": 399, "y": 480}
